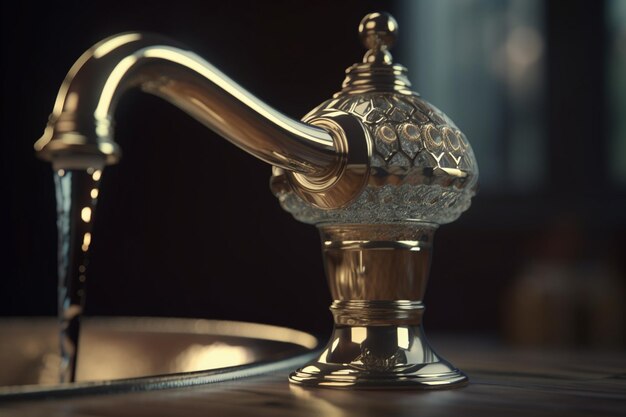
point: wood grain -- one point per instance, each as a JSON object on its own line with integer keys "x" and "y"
{"x": 504, "y": 382}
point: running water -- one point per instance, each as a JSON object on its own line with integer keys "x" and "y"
{"x": 76, "y": 195}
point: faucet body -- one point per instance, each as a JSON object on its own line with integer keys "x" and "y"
{"x": 376, "y": 169}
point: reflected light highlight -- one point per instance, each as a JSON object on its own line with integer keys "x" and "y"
{"x": 85, "y": 214}
{"x": 107, "y": 46}
{"x": 217, "y": 355}
{"x": 86, "y": 242}
{"x": 358, "y": 334}
{"x": 403, "y": 337}
{"x": 102, "y": 110}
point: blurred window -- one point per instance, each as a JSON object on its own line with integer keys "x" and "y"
{"x": 482, "y": 62}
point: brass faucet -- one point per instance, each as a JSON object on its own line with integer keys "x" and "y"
{"x": 376, "y": 168}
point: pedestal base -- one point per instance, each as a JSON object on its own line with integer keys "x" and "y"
{"x": 377, "y": 275}
{"x": 379, "y": 357}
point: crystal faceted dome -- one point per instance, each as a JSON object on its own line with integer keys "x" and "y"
{"x": 421, "y": 166}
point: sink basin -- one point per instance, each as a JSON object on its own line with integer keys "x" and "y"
{"x": 124, "y": 354}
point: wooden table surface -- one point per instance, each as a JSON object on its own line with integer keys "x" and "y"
{"x": 504, "y": 382}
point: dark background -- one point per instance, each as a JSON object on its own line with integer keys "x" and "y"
{"x": 164, "y": 208}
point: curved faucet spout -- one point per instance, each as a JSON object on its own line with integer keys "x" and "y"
{"x": 80, "y": 130}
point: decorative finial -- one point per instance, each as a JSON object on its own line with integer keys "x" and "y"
{"x": 378, "y": 32}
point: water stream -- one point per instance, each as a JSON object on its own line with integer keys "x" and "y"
{"x": 76, "y": 195}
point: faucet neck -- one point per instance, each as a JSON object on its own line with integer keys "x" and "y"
{"x": 80, "y": 129}
{"x": 377, "y": 272}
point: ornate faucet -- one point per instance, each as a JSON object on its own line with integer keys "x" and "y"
{"x": 376, "y": 168}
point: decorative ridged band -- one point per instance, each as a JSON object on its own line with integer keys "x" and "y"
{"x": 377, "y": 312}
{"x": 366, "y": 78}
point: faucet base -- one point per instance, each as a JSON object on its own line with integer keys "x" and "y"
{"x": 379, "y": 357}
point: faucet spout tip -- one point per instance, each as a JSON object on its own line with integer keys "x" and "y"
{"x": 73, "y": 150}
